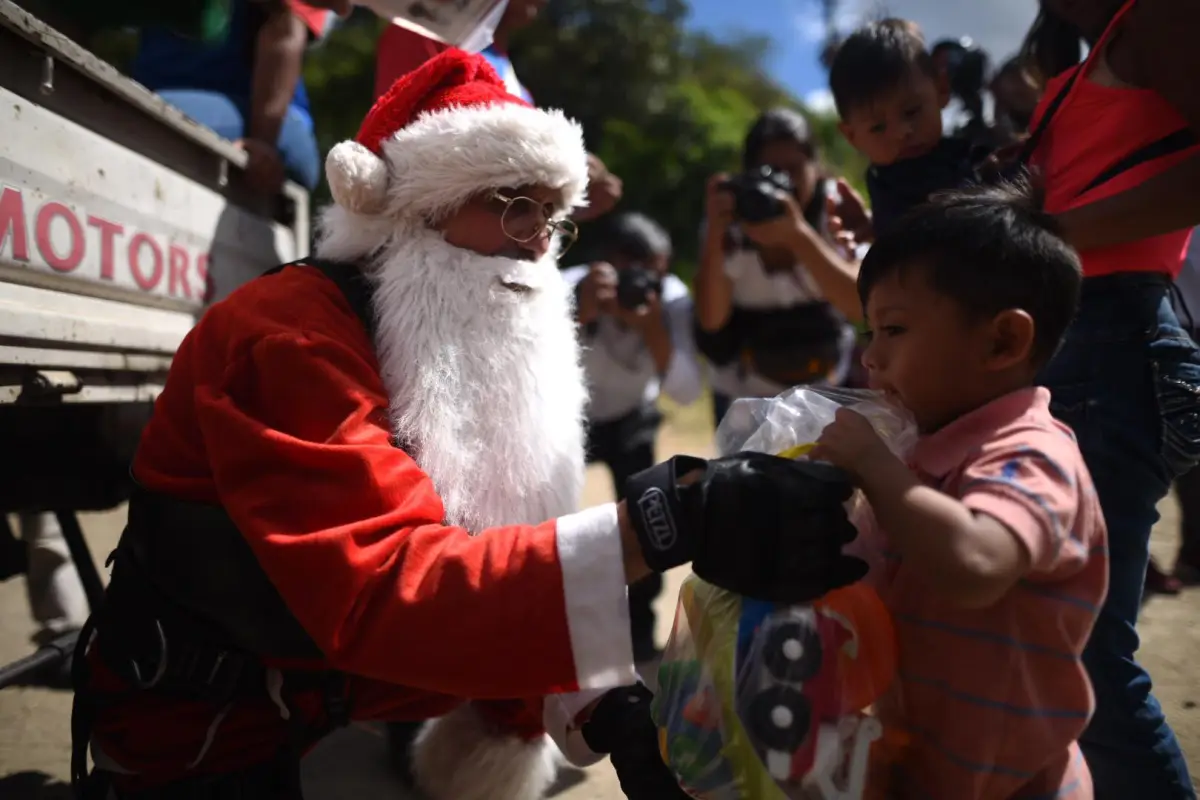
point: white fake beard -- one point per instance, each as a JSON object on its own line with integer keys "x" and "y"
{"x": 486, "y": 388}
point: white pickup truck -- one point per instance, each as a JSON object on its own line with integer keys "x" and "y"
{"x": 120, "y": 221}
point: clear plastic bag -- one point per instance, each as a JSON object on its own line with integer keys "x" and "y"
{"x": 765, "y": 701}
{"x": 769, "y": 701}
{"x": 791, "y": 423}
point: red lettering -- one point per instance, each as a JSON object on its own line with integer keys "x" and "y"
{"x": 108, "y": 234}
{"x": 146, "y": 284}
{"x": 45, "y": 244}
{"x": 12, "y": 219}
{"x": 177, "y": 264}
{"x": 202, "y": 274}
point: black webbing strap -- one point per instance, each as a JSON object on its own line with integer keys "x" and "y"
{"x": 1170, "y": 144}
{"x": 350, "y": 279}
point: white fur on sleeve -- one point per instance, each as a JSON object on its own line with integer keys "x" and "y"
{"x": 559, "y": 713}
{"x": 593, "y": 569}
{"x": 458, "y": 757}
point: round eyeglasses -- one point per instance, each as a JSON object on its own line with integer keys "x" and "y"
{"x": 525, "y": 219}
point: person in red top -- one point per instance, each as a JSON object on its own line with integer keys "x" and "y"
{"x": 1115, "y": 140}
{"x": 357, "y": 497}
{"x": 402, "y": 50}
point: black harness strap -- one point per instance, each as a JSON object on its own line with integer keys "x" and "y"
{"x": 193, "y": 614}
{"x": 350, "y": 280}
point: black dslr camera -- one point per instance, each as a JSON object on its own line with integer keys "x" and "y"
{"x": 756, "y": 193}
{"x": 635, "y": 284}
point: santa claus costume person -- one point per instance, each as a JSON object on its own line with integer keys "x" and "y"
{"x": 357, "y": 498}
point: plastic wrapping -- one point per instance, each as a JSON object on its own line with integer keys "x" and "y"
{"x": 768, "y": 701}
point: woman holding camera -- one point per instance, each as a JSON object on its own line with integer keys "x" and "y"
{"x": 774, "y": 292}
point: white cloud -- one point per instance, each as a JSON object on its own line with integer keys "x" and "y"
{"x": 808, "y": 20}
{"x": 819, "y": 101}
{"x": 997, "y": 25}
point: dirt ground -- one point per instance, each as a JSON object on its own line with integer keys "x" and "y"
{"x": 34, "y": 723}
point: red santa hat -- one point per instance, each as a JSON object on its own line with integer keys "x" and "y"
{"x": 446, "y": 131}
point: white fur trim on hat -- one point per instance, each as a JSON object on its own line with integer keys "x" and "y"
{"x": 358, "y": 179}
{"x": 457, "y": 757}
{"x": 445, "y": 157}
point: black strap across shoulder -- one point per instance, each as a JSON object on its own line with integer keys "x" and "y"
{"x": 349, "y": 278}
{"x": 189, "y": 612}
{"x": 1172, "y": 143}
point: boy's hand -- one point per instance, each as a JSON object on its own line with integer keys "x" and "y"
{"x": 850, "y": 442}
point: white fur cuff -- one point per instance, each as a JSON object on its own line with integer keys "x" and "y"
{"x": 457, "y": 757}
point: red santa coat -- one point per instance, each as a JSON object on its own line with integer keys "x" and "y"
{"x": 274, "y": 408}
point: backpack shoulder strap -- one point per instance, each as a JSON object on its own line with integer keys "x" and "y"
{"x": 350, "y": 281}
{"x": 357, "y": 291}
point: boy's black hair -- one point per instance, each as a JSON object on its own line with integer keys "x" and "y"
{"x": 874, "y": 60}
{"x": 635, "y": 237}
{"x": 989, "y": 249}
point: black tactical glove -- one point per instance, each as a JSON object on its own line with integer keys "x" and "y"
{"x": 761, "y": 526}
{"x": 621, "y": 726}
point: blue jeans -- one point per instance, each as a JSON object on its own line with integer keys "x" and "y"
{"x": 297, "y": 143}
{"x": 1126, "y": 382}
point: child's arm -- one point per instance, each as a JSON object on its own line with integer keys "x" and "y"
{"x": 972, "y": 558}
{"x": 1009, "y": 522}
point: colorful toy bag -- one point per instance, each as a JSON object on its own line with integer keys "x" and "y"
{"x": 763, "y": 701}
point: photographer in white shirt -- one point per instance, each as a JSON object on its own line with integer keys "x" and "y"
{"x": 635, "y": 321}
{"x": 775, "y": 291}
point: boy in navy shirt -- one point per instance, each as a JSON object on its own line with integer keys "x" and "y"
{"x": 890, "y": 95}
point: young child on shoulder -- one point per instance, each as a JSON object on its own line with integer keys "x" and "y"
{"x": 995, "y": 546}
{"x": 890, "y": 95}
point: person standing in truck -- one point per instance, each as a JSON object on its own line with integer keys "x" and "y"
{"x": 247, "y": 87}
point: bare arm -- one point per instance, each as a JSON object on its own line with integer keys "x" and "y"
{"x": 1167, "y": 202}
{"x": 278, "y": 57}
{"x": 968, "y": 556}
{"x": 971, "y": 558}
{"x": 837, "y": 277}
{"x": 714, "y": 289}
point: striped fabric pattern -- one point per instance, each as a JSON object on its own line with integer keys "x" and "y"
{"x": 992, "y": 701}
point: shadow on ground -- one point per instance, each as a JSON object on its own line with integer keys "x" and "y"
{"x": 33, "y": 786}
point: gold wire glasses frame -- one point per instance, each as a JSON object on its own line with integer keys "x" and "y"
{"x": 524, "y": 219}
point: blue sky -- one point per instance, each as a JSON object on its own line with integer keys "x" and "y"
{"x": 797, "y": 28}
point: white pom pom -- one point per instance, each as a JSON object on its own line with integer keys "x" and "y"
{"x": 358, "y": 179}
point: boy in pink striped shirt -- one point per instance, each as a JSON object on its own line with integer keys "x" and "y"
{"x": 994, "y": 543}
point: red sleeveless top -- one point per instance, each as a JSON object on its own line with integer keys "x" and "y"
{"x": 1094, "y": 127}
